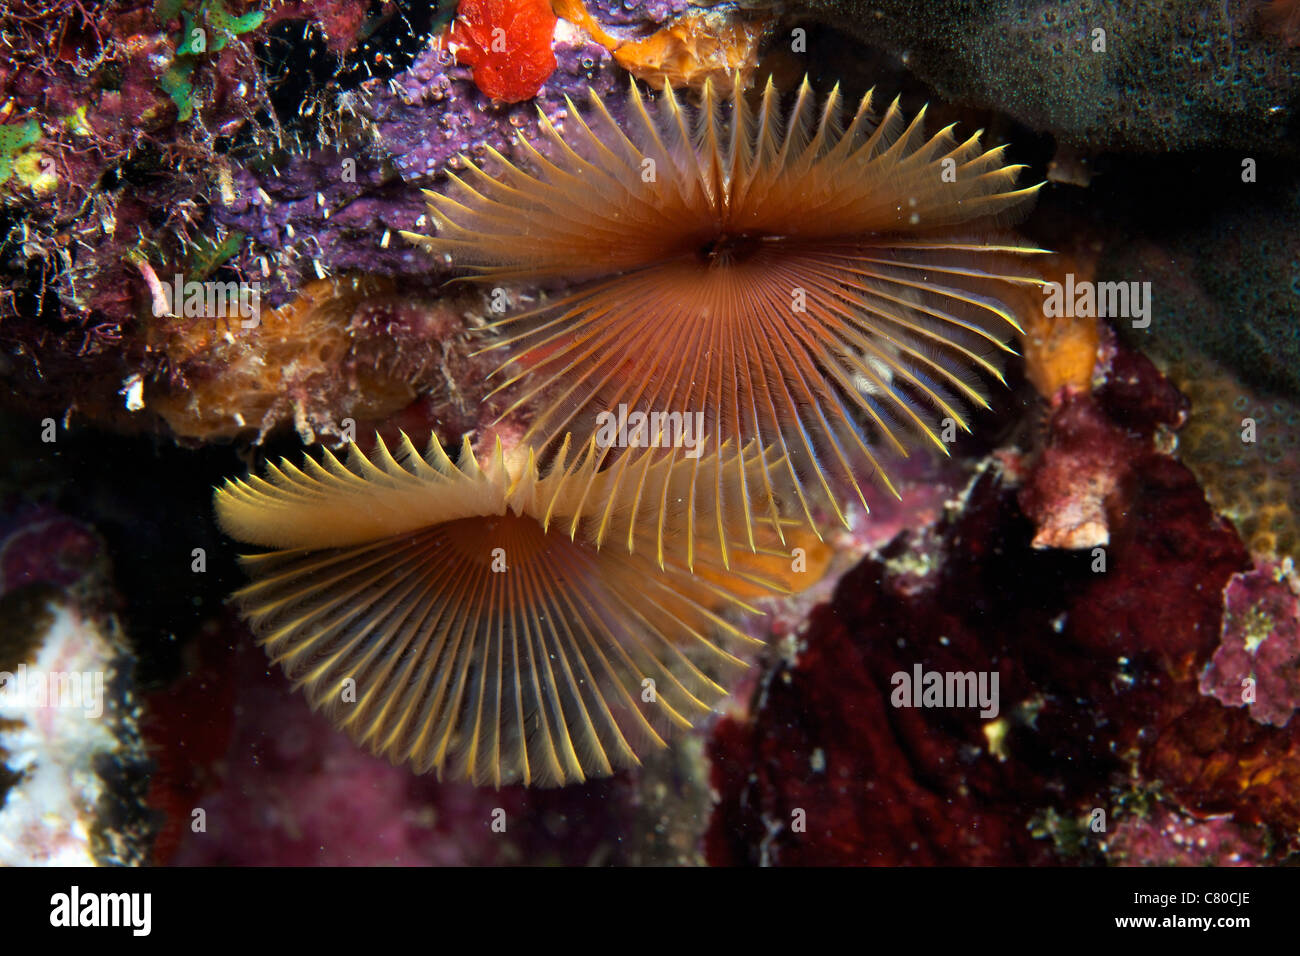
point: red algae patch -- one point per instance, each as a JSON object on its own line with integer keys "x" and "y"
{"x": 1105, "y": 746}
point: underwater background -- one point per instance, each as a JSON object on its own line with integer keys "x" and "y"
{"x": 1054, "y": 621}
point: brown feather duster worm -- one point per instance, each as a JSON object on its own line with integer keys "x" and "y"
{"x": 433, "y": 612}
{"x": 820, "y": 287}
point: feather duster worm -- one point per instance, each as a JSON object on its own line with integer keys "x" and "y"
{"x": 807, "y": 284}
{"x": 432, "y": 612}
